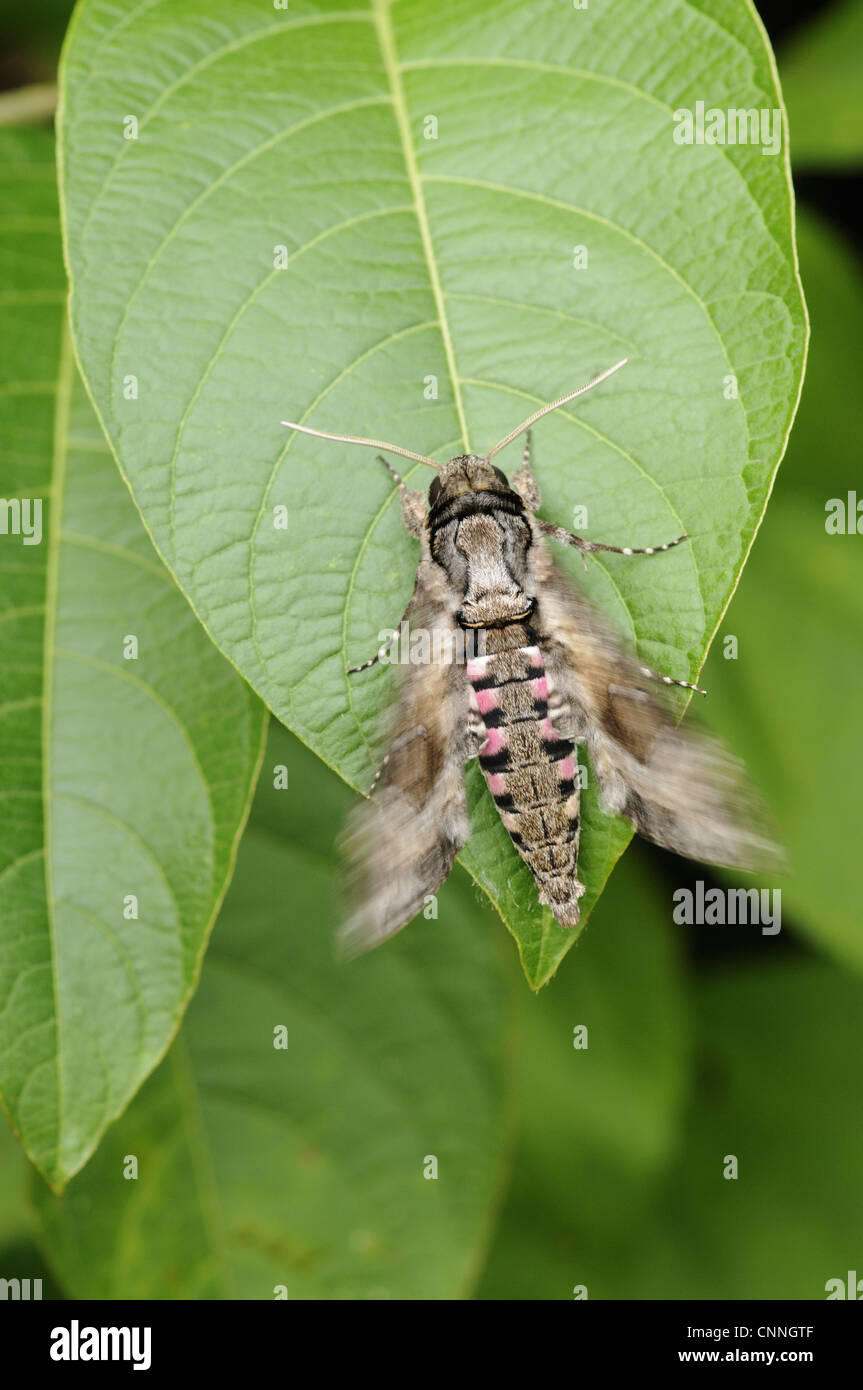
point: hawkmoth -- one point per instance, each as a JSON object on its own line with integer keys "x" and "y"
{"x": 548, "y": 674}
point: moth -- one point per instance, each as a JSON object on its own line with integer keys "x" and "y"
{"x": 542, "y": 674}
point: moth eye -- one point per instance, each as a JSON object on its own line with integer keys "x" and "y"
{"x": 434, "y": 490}
{"x": 501, "y": 476}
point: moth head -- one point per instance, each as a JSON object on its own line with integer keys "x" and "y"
{"x": 480, "y": 536}
{"x": 467, "y": 473}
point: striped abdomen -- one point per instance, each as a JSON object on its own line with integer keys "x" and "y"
{"x": 531, "y": 771}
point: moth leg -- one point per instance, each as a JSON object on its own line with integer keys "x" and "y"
{"x": 525, "y": 483}
{"x": 378, "y": 656}
{"x": 476, "y": 734}
{"x": 669, "y": 680}
{"x": 391, "y": 640}
{"x": 559, "y": 533}
{"x": 562, "y": 717}
{"x": 378, "y": 775}
{"x": 401, "y": 742}
{"x": 475, "y": 737}
{"x": 413, "y": 503}
{"x": 414, "y": 507}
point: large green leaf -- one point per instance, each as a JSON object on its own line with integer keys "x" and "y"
{"x": 822, "y": 459}
{"x": 14, "y": 1223}
{"x": 19, "y": 1256}
{"x": 778, "y": 1071}
{"x": 417, "y": 262}
{"x": 122, "y": 778}
{"x": 31, "y": 36}
{"x": 598, "y": 1123}
{"x": 821, "y": 79}
{"x": 789, "y": 698}
{"x": 790, "y": 703}
{"x": 304, "y": 1166}
{"x": 776, "y": 1091}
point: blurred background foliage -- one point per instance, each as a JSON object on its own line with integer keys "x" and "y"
{"x": 703, "y": 1042}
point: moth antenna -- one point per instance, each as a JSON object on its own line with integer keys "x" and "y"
{"x": 555, "y": 405}
{"x": 370, "y": 443}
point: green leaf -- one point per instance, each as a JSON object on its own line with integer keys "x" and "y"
{"x": 821, "y": 81}
{"x": 776, "y": 1062}
{"x": 14, "y": 1223}
{"x": 598, "y": 1123}
{"x": 789, "y": 700}
{"x": 822, "y": 459}
{"x": 19, "y": 1256}
{"x": 780, "y": 1060}
{"x": 121, "y": 777}
{"x": 431, "y": 298}
{"x": 790, "y": 704}
{"x": 304, "y": 1166}
{"x": 32, "y": 35}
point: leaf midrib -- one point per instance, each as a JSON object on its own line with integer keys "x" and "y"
{"x": 386, "y": 39}
{"x": 52, "y": 568}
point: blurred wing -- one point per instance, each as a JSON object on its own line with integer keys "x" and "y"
{"x": 681, "y": 788}
{"x": 400, "y": 844}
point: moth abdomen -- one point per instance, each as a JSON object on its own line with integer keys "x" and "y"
{"x": 531, "y": 771}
